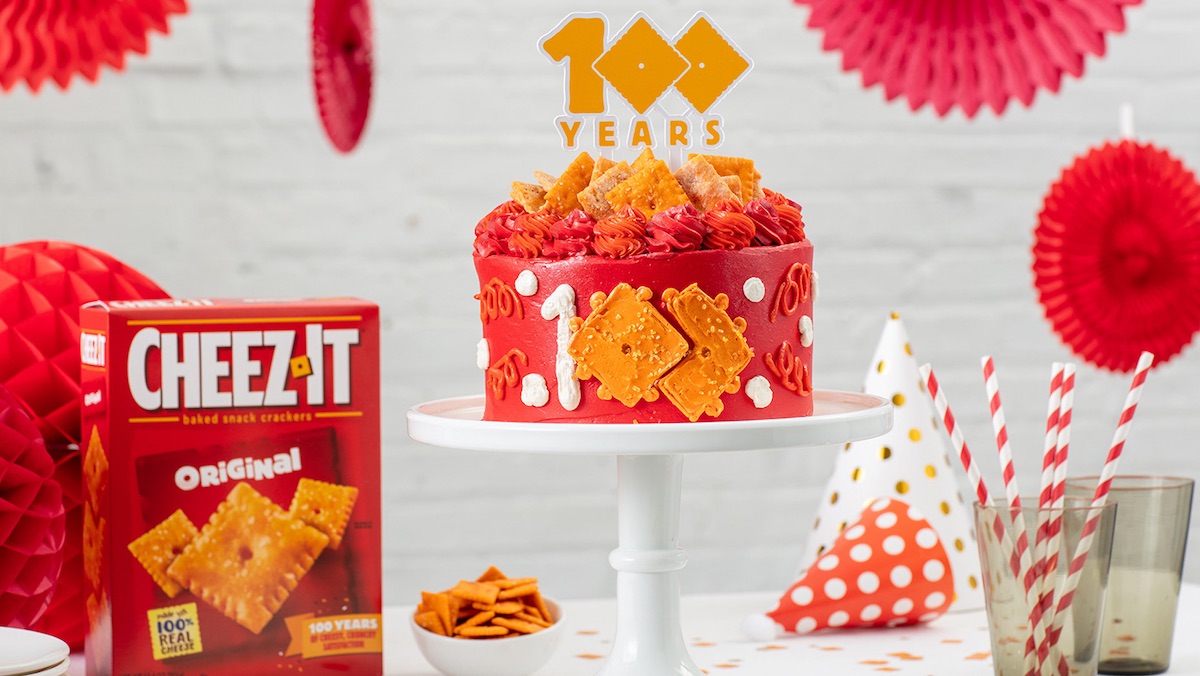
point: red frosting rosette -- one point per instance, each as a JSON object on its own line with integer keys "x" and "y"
{"x": 622, "y": 234}
{"x": 1117, "y": 255}
{"x": 966, "y": 53}
{"x": 728, "y": 227}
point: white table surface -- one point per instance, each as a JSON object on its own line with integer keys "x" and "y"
{"x": 953, "y": 645}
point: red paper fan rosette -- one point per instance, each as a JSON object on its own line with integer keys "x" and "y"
{"x": 42, "y": 285}
{"x": 341, "y": 39}
{"x": 32, "y": 535}
{"x": 966, "y": 53}
{"x": 42, "y": 40}
{"x": 1117, "y": 255}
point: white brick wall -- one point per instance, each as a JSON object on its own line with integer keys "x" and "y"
{"x": 203, "y": 165}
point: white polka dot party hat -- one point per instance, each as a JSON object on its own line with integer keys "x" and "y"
{"x": 887, "y": 569}
{"x": 912, "y": 463}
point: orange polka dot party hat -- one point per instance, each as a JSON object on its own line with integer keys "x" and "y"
{"x": 912, "y": 462}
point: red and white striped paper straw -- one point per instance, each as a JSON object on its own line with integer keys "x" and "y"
{"x": 1013, "y": 492}
{"x": 1059, "y": 489}
{"x": 968, "y": 463}
{"x": 1067, "y": 590}
{"x": 1046, "y": 492}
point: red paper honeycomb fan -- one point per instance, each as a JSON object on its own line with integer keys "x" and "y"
{"x": 42, "y": 40}
{"x": 1117, "y": 255}
{"x": 966, "y": 53}
{"x": 42, "y": 285}
{"x": 32, "y": 518}
{"x": 341, "y": 39}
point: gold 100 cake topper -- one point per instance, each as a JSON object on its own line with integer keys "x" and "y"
{"x": 642, "y": 65}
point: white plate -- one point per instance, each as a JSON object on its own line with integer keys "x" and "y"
{"x": 837, "y": 417}
{"x": 56, "y": 670}
{"x": 25, "y": 653}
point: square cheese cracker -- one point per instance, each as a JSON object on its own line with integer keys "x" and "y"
{"x": 248, "y": 558}
{"x": 158, "y": 547}
{"x": 324, "y": 506}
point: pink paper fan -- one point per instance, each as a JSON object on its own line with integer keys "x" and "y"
{"x": 341, "y": 41}
{"x": 1117, "y": 255}
{"x": 42, "y": 40}
{"x": 966, "y": 53}
{"x": 32, "y": 520}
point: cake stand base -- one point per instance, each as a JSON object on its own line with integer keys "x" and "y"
{"x": 648, "y": 641}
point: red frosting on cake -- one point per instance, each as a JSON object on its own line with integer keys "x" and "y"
{"x": 679, "y": 228}
{"x": 728, "y": 227}
{"x": 714, "y": 271}
{"x": 621, "y": 235}
{"x": 529, "y": 232}
{"x": 571, "y": 236}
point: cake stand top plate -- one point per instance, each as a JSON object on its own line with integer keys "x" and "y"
{"x": 838, "y": 417}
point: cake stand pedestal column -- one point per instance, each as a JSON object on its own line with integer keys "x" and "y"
{"x": 647, "y": 559}
{"x": 649, "y": 641}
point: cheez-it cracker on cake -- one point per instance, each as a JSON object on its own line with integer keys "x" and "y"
{"x": 232, "y": 512}
{"x": 623, "y": 292}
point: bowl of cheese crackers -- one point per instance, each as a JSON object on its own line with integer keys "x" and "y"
{"x": 492, "y": 626}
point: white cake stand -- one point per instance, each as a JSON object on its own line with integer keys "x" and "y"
{"x": 647, "y": 559}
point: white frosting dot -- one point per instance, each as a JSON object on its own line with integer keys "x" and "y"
{"x": 871, "y": 613}
{"x": 754, "y": 289}
{"x": 839, "y": 618}
{"x": 534, "y": 391}
{"x": 902, "y": 607}
{"x": 758, "y": 389}
{"x": 886, "y": 520}
{"x": 806, "y": 625}
{"x": 935, "y": 600}
{"x": 828, "y": 562}
{"x": 868, "y": 582}
{"x": 835, "y": 589}
{"x": 926, "y": 538}
{"x": 527, "y": 283}
{"x": 483, "y": 357}
{"x": 806, "y": 331}
{"x": 901, "y": 576}
{"x": 802, "y": 596}
{"x": 815, "y": 285}
{"x": 893, "y": 544}
{"x": 933, "y": 570}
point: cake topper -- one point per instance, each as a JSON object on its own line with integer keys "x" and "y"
{"x": 670, "y": 84}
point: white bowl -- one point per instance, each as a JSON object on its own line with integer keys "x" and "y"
{"x": 509, "y": 656}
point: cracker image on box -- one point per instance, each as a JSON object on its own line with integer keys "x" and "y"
{"x": 324, "y": 506}
{"x": 248, "y": 558}
{"x": 158, "y": 548}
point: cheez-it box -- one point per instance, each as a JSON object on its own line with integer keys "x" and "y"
{"x": 232, "y": 510}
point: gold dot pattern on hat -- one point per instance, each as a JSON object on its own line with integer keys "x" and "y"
{"x": 914, "y": 434}
{"x": 817, "y": 523}
{"x": 842, "y": 526}
{"x": 901, "y": 487}
{"x": 921, "y": 385}
{"x": 897, "y": 399}
{"x": 856, "y": 474}
{"x": 881, "y": 366}
{"x": 930, "y": 471}
{"x": 885, "y": 453}
{"x": 847, "y": 447}
{"x": 895, "y": 315}
{"x": 908, "y": 349}
{"x": 945, "y": 507}
{"x": 972, "y": 582}
{"x": 958, "y": 544}
{"x": 833, "y": 498}
{"x": 820, "y": 550}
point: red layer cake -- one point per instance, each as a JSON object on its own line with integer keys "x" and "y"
{"x": 620, "y": 293}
